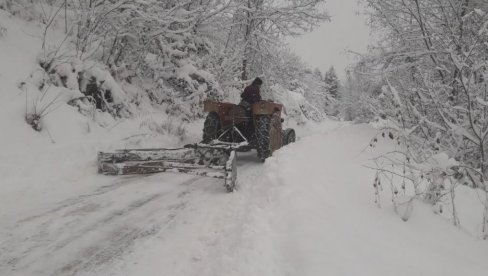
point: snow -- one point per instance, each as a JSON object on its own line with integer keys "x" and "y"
{"x": 39, "y": 167}
{"x": 308, "y": 210}
{"x": 443, "y": 161}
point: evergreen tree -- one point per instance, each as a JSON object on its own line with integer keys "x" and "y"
{"x": 332, "y": 82}
{"x": 318, "y": 73}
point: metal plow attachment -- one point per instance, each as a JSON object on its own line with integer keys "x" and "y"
{"x": 215, "y": 160}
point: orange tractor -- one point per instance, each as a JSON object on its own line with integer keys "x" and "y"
{"x": 228, "y": 128}
{"x": 259, "y": 126}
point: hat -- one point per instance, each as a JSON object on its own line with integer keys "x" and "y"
{"x": 257, "y": 81}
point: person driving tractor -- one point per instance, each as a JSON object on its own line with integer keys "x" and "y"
{"x": 250, "y": 96}
{"x": 251, "y": 93}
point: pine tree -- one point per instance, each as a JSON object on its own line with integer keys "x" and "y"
{"x": 318, "y": 73}
{"x": 332, "y": 82}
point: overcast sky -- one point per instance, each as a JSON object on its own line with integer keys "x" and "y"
{"x": 326, "y": 45}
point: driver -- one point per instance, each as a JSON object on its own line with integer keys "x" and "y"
{"x": 251, "y": 93}
{"x": 250, "y": 96}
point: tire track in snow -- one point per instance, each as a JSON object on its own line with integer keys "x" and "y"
{"x": 92, "y": 233}
{"x": 104, "y": 239}
{"x": 72, "y": 201}
{"x": 119, "y": 241}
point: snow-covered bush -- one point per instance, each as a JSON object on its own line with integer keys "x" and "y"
{"x": 85, "y": 105}
{"x": 296, "y": 106}
{"x": 168, "y": 126}
{"x": 415, "y": 173}
{"x": 41, "y": 102}
{"x": 434, "y": 73}
{"x": 107, "y": 93}
{"x": 93, "y": 80}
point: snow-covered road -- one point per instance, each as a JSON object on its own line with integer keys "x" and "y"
{"x": 308, "y": 210}
{"x": 108, "y": 227}
{"x": 97, "y": 231}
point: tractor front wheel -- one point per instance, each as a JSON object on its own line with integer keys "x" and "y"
{"x": 289, "y": 136}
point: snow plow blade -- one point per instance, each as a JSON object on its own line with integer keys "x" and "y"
{"x": 217, "y": 161}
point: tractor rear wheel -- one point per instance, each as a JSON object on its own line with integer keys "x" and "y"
{"x": 211, "y": 128}
{"x": 268, "y": 134}
{"x": 262, "y": 126}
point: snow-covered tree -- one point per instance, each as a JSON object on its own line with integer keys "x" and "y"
{"x": 258, "y": 27}
{"x": 332, "y": 82}
{"x": 433, "y": 60}
{"x": 358, "y": 95}
{"x": 180, "y": 52}
{"x": 318, "y": 73}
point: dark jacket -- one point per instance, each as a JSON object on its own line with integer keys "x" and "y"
{"x": 251, "y": 94}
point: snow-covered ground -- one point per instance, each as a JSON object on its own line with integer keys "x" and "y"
{"x": 308, "y": 210}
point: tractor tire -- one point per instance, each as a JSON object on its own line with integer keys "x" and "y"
{"x": 289, "y": 136}
{"x": 262, "y": 126}
{"x": 211, "y": 128}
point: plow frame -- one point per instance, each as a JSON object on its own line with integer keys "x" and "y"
{"x": 216, "y": 160}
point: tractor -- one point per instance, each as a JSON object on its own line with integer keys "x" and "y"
{"x": 260, "y": 126}
{"x": 228, "y": 128}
